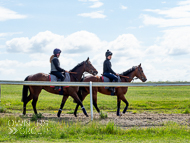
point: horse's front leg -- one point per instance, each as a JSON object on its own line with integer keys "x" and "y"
{"x": 82, "y": 96}
{"x": 78, "y": 101}
{"x": 62, "y": 104}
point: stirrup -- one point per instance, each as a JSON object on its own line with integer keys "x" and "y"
{"x": 56, "y": 88}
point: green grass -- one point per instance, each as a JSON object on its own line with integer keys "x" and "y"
{"x": 171, "y": 99}
{"x": 55, "y": 131}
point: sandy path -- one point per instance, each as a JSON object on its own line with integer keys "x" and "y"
{"x": 127, "y": 120}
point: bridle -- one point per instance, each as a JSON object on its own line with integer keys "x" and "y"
{"x": 135, "y": 78}
{"x": 141, "y": 75}
{"x": 86, "y": 66}
{"x": 91, "y": 71}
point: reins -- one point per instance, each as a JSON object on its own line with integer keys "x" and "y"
{"x": 72, "y": 72}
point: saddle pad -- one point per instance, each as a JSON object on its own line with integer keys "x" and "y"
{"x": 53, "y": 78}
{"x": 106, "y": 79}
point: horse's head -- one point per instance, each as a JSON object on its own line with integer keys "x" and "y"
{"x": 90, "y": 68}
{"x": 140, "y": 74}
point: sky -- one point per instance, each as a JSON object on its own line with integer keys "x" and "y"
{"x": 153, "y": 33}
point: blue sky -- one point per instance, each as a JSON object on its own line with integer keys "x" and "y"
{"x": 153, "y": 33}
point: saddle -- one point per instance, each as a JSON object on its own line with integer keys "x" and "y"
{"x": 53, "y": 78}
{"x": 106, "y": 79}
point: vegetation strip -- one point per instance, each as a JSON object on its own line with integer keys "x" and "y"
{"x": 19, "y": 129}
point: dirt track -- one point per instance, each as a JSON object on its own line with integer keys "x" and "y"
{"x": 127, "y": 120}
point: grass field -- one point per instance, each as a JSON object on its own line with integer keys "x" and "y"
{"x": 170, "y": 99}
{"x": 141, "y": 99}
{"x": 92, "y": 132}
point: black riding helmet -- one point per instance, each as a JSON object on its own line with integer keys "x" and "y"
{"x": 108, "y": 53}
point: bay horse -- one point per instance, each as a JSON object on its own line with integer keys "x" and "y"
{"x": 84, "y": 66}
{"x": 120, "y": 92}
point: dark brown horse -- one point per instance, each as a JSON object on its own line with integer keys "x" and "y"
{"x": 120, "y": 92}
{"x": 84, "y": 66}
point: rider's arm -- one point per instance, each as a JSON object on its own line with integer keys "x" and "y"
{"x": 55, "y": 62}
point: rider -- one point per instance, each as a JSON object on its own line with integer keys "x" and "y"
{"x": 107, "y": 70}
{"x": 55, "y": 66}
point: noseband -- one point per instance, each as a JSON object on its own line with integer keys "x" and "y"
{"x": 141, "y": 76}
{"x": 87, "y": 65}
{"x": 135, "y": 78}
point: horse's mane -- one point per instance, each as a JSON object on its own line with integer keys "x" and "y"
{"x": 80, "y": 64}
{"x": 128, "y": 71}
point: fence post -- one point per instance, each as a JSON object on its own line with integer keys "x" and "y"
{"x": 91, "y": 101}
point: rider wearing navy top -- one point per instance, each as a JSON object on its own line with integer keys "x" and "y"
{"x": 107, "y": 70}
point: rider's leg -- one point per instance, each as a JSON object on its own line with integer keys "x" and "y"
{"x": 113, "y": 78}
{"x": 59, "y": 75}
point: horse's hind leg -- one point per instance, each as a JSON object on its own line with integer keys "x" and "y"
{"x": 95, "y": 90}
{"x": 34, "y": 104}
{"x": 126, "y": 102}
{"x": 62, "y": 104}
{"x": 25, "y": 103}
{"x": 35, "y": 97}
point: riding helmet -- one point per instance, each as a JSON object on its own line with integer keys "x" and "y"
{"x": 108, "y": 53}
{"x": 56, "y": 51}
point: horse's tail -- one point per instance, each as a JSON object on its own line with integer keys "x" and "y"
{"x": 25, "y": 91}
{"x": 79, "y": 93}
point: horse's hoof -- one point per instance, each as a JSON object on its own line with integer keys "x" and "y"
{"x": 58, "y": 115}
{"x": 86, "y": 115}
{"x": 75, "y": 115}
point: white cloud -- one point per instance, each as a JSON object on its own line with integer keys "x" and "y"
{"x": 127, "y": 51}
{"x": 9, "y": 34}
{"x": 123, "y": 7}
{"x": 42, "y": 42}
{"x": 45, "y": 42}
{"x": 181, "y": 11}
{"x": 96, "y": 4}
{"x": 97, "y": 14}
{"x": 8, "y": 63}
{"x": 80, "y": 42}
{"x": 7, "y": 14}
{"x": 83, "y": 0}
{"x": 161, "y": 22}
{"x": 7, "y": 72}
{"x": 177, "y": 16}
{"x": 184, "y": 2}
{"x": 176, "y": 40}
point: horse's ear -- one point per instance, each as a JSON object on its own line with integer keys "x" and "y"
{"x": 139, "y": 64}
{"x": 87, "y": 59}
